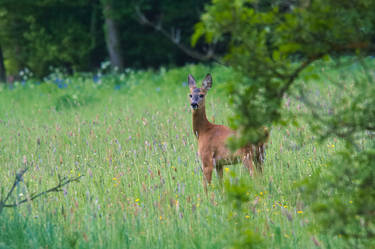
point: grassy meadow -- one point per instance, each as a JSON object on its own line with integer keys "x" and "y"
{"x": 130, "y": 136}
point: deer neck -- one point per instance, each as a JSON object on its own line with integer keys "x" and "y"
{"x": 200, "y": 121}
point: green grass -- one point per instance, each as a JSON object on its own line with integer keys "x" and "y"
{"x": 131, "y": 137}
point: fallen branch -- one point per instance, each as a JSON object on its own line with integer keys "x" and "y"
{"x": 19, "y": 177}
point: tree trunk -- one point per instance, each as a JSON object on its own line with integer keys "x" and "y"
{"x": 112, "y": 37}
{"x": 3, "y": 76}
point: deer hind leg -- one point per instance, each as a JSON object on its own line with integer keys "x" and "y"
{"x": 259, "y": 157}
{"x": 247, "y": 161}
{"x": 207, "y": 168}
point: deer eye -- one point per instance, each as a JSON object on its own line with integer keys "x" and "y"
{"x": 190, "y": 95}
{"x": 201, "y": 95}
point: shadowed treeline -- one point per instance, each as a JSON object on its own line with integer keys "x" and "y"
{"x": 80, "y": 35}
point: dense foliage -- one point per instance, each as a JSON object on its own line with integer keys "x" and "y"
{"x": 272, "y": 49}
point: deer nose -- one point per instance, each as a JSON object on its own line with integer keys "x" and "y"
{"x": 194, "y": 105}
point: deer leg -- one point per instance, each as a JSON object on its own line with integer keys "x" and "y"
{"x": 207, "y": 171}
{"x": 219, "y": 170}
{"x": 259, "y": 157}
{"x": 248, "y": 162}
{"x": 220, "y": 174}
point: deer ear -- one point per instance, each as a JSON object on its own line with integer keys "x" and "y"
{"x": 191, "y": 82}
{"x": 207, "y": 82}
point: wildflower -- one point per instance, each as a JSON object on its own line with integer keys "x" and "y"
{"x": 247, "y": 216}
{"x": 226, "y": 169}
{"x": 114, "y": 178}
{"x": 285, "y": 206}
{"x": 350, "y": 202}
{"x": 160, "y": 218}
{"x": 137, "y": 200}
{"x": 300, "y": 211}
{"x": 333, "y": 146}
{"x": 261, "y": 193}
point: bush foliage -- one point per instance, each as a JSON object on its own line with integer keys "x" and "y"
{"x": 272, "y": 48}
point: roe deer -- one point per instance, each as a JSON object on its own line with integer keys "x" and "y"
{"x": 212, "y": 138}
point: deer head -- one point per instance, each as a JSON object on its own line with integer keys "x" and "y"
{"x": 197, "y": 94}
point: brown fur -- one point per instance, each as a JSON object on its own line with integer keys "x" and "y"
{"x": 212, "y": 138}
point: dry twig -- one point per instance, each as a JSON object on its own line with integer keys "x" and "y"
{"x": 62, "y": 181}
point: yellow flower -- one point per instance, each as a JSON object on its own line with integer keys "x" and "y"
{"x": 350, "y": 202}
{"x": 226, "y": 169}
{"x": 160, "y": 218}
{"x": 247, "y": 216}
{"x": 114, "y": 178}
{"x": 285, "y": 206}
{"x": 300, "y": 211}
{"x": 137, "y": 200}
{"x": 261, "y": 193}
{"x": 333, "y": 146}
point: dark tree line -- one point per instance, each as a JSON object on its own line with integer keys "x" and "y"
{"x": 80, "y": 34}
